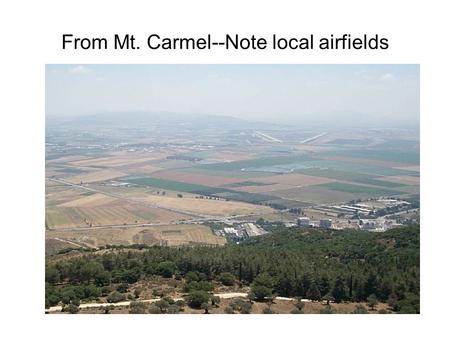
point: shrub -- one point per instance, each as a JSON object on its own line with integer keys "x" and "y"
{"x": 173, "y": 309}
{"x": 226, "y": 278}
{"x": 228, "y": 310}
{"x": 153, "y": 309}
{"x": 137, "y": 308}
{"x": 122, "y": 288}
{"x": 241, "y": 306}
{"x": 360, "y": 309}
{"x": 166, "y": 269}
{"x": 196, "y": 298}
{"x": 115, "y": 297}
{"x": 259, "y": 292}
{"x": 327, "y": 310}
{"x": 267, "y": 311}
{"x": 71, "y": 308}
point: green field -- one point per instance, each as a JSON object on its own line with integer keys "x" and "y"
{"x": 172, "y": 185}
{"x": 241, "y": 196}
{"x": 355, "y": 167}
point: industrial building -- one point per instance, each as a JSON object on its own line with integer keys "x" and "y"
{"x": 303, "y": 221}
{"x": 325, "y": 223}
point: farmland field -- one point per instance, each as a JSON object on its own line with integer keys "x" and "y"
{"x": 353, "y": 188}
{"x": 171, "y": 235}
{"x": 138, "y": 177}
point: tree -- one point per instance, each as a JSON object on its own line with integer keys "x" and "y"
{"x": 226, "y": 279}
{"x": 259, "y": 292}
{"x": 137, "y": 292}
{"x": 90, "y": 270}
{"x": 215, "y": 301}
{"x": 52, "y": 275}
{"x": 241, "y": 306}
{"x": 206, "y": 307}
{"x": 115, "y": 297}
{"x": 328, "y": 298}
{"x": 107, "y": 309}
{"x": 371, "y": 284}
{"x": 228, "y": 310}
{"x": 261, "y": 287}
{"x": 196, "y": 298}
{"x": 71, "y": 308}
{"x": 372, "y": 301}
{"x": 166, "y": 269}
{"x": 192, "y": 276}
{"x": 163, "y": 305}
{"x": 339, "y": 291}
{"x": 299, "y": 304}
{"x": 173, "y": 309}
{"x": 137, "y": 308}
{"x": 181, "y": 304}
{"x": 122, "y": 288}
{"x": 103, "y": 278}
{"x": 313, "y": 292}
{"x": 153, "y": 309}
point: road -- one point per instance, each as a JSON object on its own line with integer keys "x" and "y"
{"x": 153, "y": 300}
{"x": 313, "y": 138}
{"x": 267, "y": 138}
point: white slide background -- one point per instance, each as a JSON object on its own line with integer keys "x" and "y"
{"x": 31, "y": 37}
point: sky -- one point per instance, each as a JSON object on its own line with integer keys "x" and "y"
{"x": 272, "y": 93}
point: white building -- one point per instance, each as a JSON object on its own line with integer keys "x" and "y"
{"x": 303, "y": 221}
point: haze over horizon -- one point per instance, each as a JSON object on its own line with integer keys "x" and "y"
{"x": 376, "y": 95}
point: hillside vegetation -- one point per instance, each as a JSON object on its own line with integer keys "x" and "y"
{"x": 307, "y": 263}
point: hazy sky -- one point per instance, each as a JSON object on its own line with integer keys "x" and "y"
{"x": 258, "y": 92}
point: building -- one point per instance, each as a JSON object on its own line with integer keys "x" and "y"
{"x": 325, "y": 223}
{"x": 303, "y": 221}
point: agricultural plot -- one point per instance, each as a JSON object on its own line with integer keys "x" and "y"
{"x": 96, "y": 176}
{"x": 117, "y": 160}
{"x": 206, "y": 206}
{"x": 353, "y": 177}
{"x": 296, "y": 180}
{"x": 316, "y": 195}
{"x": 241, "y": 196}
{"x": 263, "y": 189}
{"x": 172, "y": 185}
{"x": 255, "y": 163}
{"x": 360, "y": 189}
{"x": 171, "y": 235}
{"x": 402, "y": 179}
{"x": 238, "y": 174}
{"x": 403, "y": 156}
{"x": 71, "y": 208}
{"x": 208, "y": 180}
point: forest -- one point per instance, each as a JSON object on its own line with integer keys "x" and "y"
{"x": 317, "y": 264}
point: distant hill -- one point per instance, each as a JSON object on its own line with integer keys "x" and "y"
{"x": 143, "y": 119}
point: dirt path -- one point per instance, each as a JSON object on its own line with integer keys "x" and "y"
{"x": 153, "y": 300}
